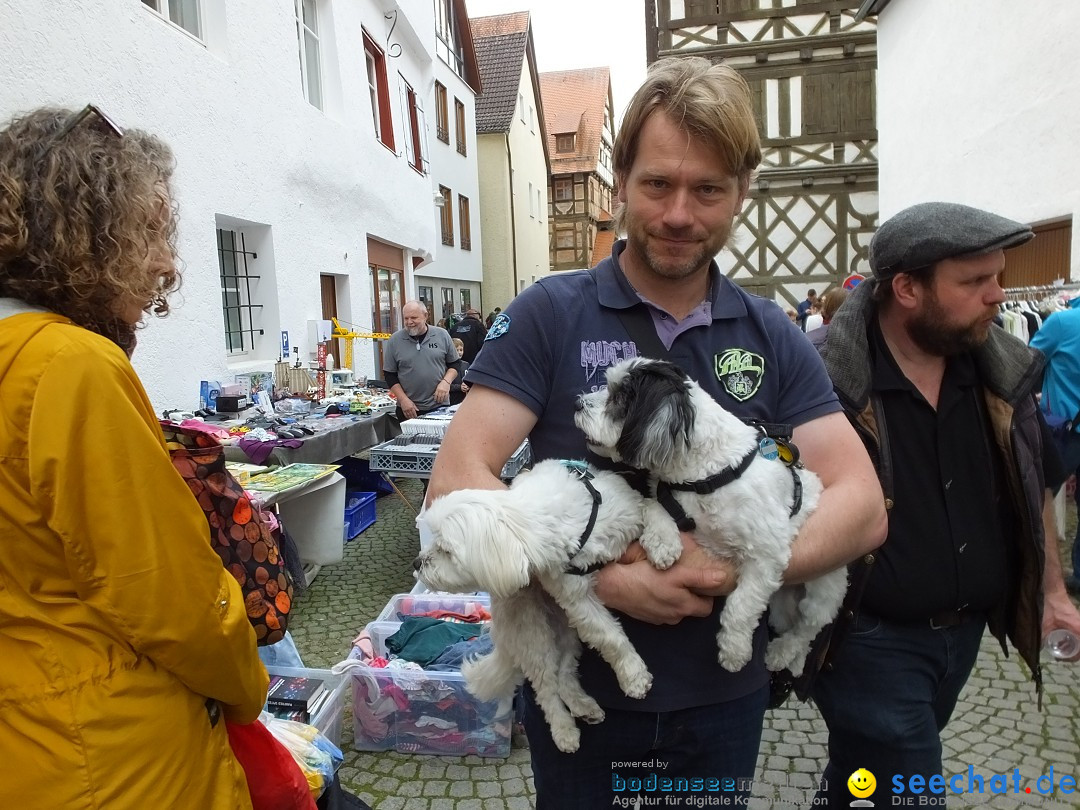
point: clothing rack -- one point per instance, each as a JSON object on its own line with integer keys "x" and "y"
{"x": 1039, "y": 290}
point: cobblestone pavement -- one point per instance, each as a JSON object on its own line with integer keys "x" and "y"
{"x": 995, "y": 728}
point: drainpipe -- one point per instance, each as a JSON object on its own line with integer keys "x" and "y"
{"x": 513, "y": 219}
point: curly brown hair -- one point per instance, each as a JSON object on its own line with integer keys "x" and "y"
{"x": 87, "y": 225}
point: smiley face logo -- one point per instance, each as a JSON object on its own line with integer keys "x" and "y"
{"x": 862, "y": 783}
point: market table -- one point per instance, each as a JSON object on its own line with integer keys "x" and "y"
{"x": 335, "y": 438}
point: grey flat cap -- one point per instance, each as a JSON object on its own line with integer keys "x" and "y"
{"x": 926, "y": 233}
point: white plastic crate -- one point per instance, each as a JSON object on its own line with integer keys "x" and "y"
{"x": 423, "y": 712}
{"x": 418, "y": 459}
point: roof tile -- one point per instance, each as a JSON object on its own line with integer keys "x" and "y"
{"x": 500, "y": 43}
{"x": 574, "y": 101}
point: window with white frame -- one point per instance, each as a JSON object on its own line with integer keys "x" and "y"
{"x": 240, "y": 303}
{"x": 182, "y": 13}
{"x": 307, "y": 33}
{"x": 521, "y": 107}
{"x": 532, "y": 202}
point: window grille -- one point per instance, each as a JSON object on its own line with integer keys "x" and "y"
{"x": 243, "y": 317}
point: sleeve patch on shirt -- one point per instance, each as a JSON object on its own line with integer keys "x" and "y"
{"x": 499, "y": 327}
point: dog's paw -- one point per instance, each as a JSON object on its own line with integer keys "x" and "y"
{"x": 661, "y": 553}
{"x": 636, "y": 682}
{"x": 734, "y": 653}
{"x": 566, "y": 739}
{"x": 782, "y": 654}
{"x": 587, "y": 709}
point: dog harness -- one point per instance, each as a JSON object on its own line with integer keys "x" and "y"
{"x": 781, "y": 448}
{"x": 584, "y": 474}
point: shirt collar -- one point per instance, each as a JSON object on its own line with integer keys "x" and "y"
{"x": 615, "y": 292}
{"x": 886, "y": 374}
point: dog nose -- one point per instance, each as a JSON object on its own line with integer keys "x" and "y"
{"x": 579, "y": 403}
{"x": 417, "y": 563}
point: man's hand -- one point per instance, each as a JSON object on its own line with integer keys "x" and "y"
{"x": 408, "y": 407}
{"x": 442, "y": 392}
{"x": 1059, "y": 613}
{"x": 634, "y": 587}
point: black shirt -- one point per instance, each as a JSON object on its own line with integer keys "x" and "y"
{"x": 946, "y": 546}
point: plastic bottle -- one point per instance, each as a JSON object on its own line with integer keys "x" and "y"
{"x": 1062, "y": 644}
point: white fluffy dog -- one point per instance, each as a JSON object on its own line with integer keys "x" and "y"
{"x": 653, "y": 417}
{"x": 533, "y": 547}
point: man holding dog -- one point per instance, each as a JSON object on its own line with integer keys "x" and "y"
{"x": 683, "y": 159}
{"x": 944, "y": 401}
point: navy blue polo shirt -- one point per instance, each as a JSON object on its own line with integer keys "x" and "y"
{"x": 557, "y": 339}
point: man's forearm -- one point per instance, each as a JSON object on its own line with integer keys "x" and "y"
{"x": 849, "y": 521}
{"x": 1053, "y": 572}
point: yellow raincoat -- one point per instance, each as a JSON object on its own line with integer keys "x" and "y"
{"x": 117, "y": 620}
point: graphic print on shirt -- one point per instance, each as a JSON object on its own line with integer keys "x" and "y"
{"x": 740, "y": 372}
{"x": 602, "y": 354}
{"x": 499, "y": 327}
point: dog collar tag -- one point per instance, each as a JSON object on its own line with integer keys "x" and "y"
{"x": 580, "y": 468}
{"x": 768, "y": 449}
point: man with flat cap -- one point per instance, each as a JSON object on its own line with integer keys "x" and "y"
{"x": 944, "y": 401}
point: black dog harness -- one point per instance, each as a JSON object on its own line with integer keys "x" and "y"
{"x": 665, "y": 489}
{"x": 584, "y": 474}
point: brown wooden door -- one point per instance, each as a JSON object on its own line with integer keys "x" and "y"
{"x": 328, "y": 290}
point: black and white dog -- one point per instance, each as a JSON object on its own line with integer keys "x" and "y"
{"x": 719, "y": 478}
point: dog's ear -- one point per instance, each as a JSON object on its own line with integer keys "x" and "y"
{"x": 491, "y": 547}
{"x": 659, "y": 415}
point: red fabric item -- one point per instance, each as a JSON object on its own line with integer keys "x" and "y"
{"x": 275, "y": 781}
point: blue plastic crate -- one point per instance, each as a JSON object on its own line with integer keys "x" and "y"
{"x": 359, "y": 512}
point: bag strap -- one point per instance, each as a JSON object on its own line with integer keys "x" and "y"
{"x": 638, "y": 324}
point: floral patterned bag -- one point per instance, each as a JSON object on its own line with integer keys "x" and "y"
{"x": 238, "y": 531}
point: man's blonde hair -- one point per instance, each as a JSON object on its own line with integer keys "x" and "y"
{"x": 711, "y": 102}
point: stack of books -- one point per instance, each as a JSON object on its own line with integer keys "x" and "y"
{"x": 294, "y": 698}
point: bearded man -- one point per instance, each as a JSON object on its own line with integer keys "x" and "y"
{"x": 944, "y": 401}
{"x": 419, "y": 363}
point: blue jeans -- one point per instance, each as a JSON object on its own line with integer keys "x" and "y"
{"x": 890, "y": 692}
{"x": 718, "y": 743}
{"x": 282, "y": 654}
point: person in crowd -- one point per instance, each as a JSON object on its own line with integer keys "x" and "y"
{"x": 459, "y": 388}
{"x": 683, "y": 159}
{"x": 419, "y": 363}
{"x": 814, "y": 319}
{"x": 945, "y": 404}
{"x": 793, "y": 316}
{"x": 491, "y": 317}
{"x": 831, "y": 302}
{"x": 471, "y": 332}
{"x": 1059, "y": 341}
{"x": 803, "y": 310}
{"x": 125, "y": 642}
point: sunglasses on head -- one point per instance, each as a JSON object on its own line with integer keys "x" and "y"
{"x": 99, "y": 120}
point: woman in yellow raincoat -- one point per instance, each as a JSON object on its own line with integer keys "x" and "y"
{"x": 123, "y": 641}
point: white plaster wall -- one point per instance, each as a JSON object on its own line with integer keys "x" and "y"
{"x": 527, "y": 147}
{"x": 248, "y": 146}
{"x": 458, "y": 173}
{"x": 979, "y": 102}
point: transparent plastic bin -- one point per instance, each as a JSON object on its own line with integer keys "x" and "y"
{"x": 423, "y": 712}
{"x": 421, "y": 604}
{"x": 330, "y": 717}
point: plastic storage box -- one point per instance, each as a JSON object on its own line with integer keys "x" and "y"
{"x": 416, "y": 460}
{"x": 330, "y": 716}
{"x": 359, "y": 512}
{"x": 424, "y": 604}
{"x": 423, "y": 712}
